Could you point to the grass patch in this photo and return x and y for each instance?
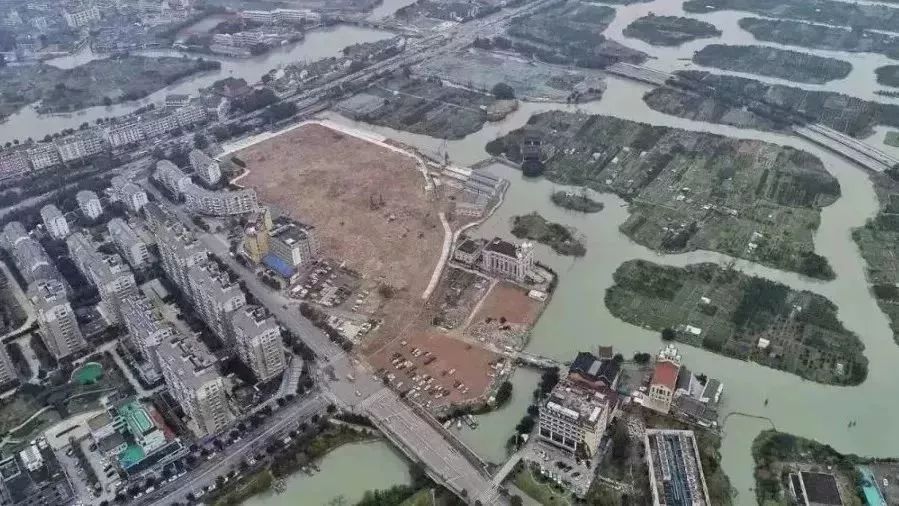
(540, 491)
(247, 487)
(892, 139)
(558, 237)
(421, 498)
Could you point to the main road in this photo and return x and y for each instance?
(282, 420)
(348, 383)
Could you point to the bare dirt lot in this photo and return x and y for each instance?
(462, 371)
(368, 205)
(505, 317)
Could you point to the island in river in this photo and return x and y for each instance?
(573, 201)
(740, 316)
(563, 240)
(690, 190)
(771, 61)
(670, 30)
(99, 82)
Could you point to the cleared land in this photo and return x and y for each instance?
(691, 190)
(425, 106)
(368, 205)
(561, 239)
(570, 33)
(830, 12)
(669, 30)
(462, 372)
(370, 209)
(774, 62)
(482, 69)
(832, 38)
(99, 82)
(877, 241)
(505, 317)
(888, 75)
(773, 103)
(739, 316)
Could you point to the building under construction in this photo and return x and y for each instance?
(675, 468)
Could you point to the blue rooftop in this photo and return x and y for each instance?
(278, 265)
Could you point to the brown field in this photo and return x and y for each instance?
(331, 180)
(471, 362)
(505, 317)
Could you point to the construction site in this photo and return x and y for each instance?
(386, 220)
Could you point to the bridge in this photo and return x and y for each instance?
(447, 460)
(640, 73)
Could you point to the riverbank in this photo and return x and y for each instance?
(97, 83)
(813, 36)
(739, 316)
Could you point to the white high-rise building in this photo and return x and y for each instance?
(126, 239)
(215, 297)
(56, 319)
(109, 273)
(173, 178)
(89, 203)
(54, 221)
(574, 417)
(206, 168)
(193, 381)
(258, 338)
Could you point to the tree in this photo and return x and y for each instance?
(668, 334)
(200, 141)
(641, 358)
(516, 500)
(620, 441)
(502, 91)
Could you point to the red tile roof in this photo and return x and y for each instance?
(665, 373)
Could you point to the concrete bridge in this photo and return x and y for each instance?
(447, 460)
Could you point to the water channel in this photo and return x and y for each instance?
(317, 44)
(345, 474)
(577, 318)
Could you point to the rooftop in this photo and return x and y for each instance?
(665, 373)
(821, 489)
(577, 403)
(502, 247)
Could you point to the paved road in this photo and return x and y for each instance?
(282, 420)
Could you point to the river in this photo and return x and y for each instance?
(346, 473)
(578, 320)
(317, 44)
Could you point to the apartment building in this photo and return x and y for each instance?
(109, 273)
(259, 345)
(504, 259)
(195, 383)
(215, 296)
(219, 203)
(56, 319)
(206, 168)
(133, 196)
(159, 123)
(8, 375)
(574, 417)
(30, 257)
(78, 146)
(54, 221)
(293, 242)
(173, 178)
(43, 155)
(123, 134)
(13, 164)
(89, 203)
(77, 15)
(146, 329)
(133, 248)
(179, 250)
(190, 114)
(295, 16)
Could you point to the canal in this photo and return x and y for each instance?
(344, 476)
(317, 44)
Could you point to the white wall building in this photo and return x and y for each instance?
(219, 203)
(43, 155)
(172, 177)
(501, 258)
(89, 203)
(122, 134)
(54, 221)
(258, 339)
(205, 167)
(78, 146)
(126, 239)
(574, 416)
(56, 319)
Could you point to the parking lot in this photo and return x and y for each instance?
(558, 466)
